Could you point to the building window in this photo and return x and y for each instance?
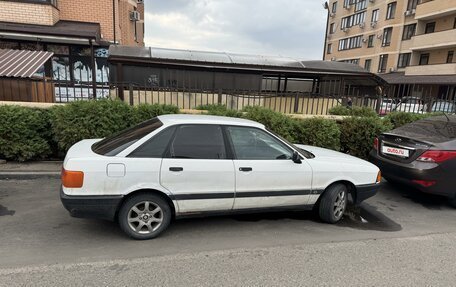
(360, 5)
(424, 59)
(375, 15)
(430, 28)
(353, 20)
(351, 61)
(387, 33)
(412, 4)
(454, 24)
(329, 49)
(409, 31)
(368, 64)
(332, 28)
(334, 7)
(391, 10)
(370, 41)
(404, 60)
(382, 64)
(350, 43)
(450, 57)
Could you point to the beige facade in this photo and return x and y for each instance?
(428, 48)
(48, 13)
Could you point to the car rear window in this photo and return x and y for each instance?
(436, 129)
(116, 143)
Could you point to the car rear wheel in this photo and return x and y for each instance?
(333, 203)
(144, 216)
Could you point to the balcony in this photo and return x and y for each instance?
(435, 9)
(436, 69)
(436, 40)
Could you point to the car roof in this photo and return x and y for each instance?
(206, 119)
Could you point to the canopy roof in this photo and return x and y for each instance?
(21, 63)
(228, 60)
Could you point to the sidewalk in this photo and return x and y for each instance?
(16, 170)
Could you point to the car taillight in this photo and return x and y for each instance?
(437, 156)
(425, 183)
(376, 143)
(72, 179)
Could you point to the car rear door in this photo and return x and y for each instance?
(196, 169)
(265, 174)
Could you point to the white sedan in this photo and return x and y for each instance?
(174, 166)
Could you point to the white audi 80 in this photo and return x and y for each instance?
(174, 166)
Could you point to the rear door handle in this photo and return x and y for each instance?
(245, 169)
(176, 169)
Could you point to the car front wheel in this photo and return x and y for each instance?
(333, 203)
(144, 216)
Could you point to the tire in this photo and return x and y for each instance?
(144, 216)
(333, 203)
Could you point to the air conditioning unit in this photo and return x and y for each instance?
(332, 15)
(364, 40)
(361, 25)
(345, 29)
(408, 13)
(413, 11)
(373, 24)
(379, 36)
(333, 58)
(347, 7)
(135, 16)
(393, 69)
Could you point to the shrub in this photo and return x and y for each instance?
(25, 133)
(220, 110)
(358, 133)
(275, 121)
(145, 111)
(317, 132)
(402, 118)
(354, 111)
(89, 119)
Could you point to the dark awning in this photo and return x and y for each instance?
(223, 60)
(65, 31)
(401, 78)
(21, 63)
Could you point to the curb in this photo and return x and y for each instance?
(28, 175)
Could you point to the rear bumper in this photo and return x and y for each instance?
(102, 207)
(363, 192)
(405, 174)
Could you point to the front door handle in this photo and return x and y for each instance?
(245, 169)
(176, 169)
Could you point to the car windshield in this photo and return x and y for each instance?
(116, 143)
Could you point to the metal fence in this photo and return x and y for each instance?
(317, 100)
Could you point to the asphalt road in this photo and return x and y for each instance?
(398, 238)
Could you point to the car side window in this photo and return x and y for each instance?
(256, 144)
(198, 142)
(155, 147)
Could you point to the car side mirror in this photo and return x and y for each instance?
(296, 158)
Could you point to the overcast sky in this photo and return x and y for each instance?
(293, 28)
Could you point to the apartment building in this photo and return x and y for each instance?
(78, 33)
(406, 42)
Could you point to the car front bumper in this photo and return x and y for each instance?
(102, 207)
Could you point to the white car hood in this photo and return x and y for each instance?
(320, 152)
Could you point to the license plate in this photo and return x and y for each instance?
(395, 151)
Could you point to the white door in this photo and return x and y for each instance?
(265, 174)
(196, 170)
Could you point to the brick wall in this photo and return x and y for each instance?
(27, 13)
(99, 11)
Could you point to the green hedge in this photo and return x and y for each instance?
(398, 119)
(25, 133)
(354, 111)
(358, 133)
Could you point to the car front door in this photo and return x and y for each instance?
(196, 169)
(265, 174)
